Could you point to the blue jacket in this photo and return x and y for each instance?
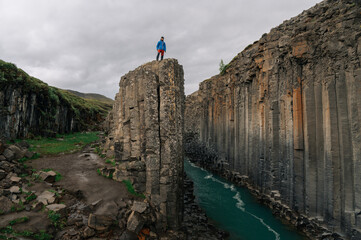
(161, 45)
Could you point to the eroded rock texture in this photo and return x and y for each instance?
(147, 134)
(287, 113)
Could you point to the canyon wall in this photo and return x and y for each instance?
(287, 114)
(29, 107)
(146, 135)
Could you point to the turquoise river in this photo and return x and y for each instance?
(235, 210)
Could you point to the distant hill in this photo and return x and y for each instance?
(93, 96)
(30, 107)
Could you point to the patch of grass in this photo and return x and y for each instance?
(62, 144)
(113, 163)
(35, 176)
(7, 229)
(30, 197)
(18, 220)
(99, 151)
(131, 189)
(42, 235)
(110, 176)
(24, 159)
(55, 219)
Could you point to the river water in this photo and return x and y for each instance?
(235, 210)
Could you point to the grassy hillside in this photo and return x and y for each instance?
(9, 73)
(92, 96)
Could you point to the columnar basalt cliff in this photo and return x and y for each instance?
(30, 107)
(287, 114)
(146, 134)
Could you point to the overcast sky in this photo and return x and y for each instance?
(87, 45)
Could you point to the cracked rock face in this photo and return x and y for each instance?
(287, 114)
(146, 134)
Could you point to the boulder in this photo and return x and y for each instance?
(127, 235)
(23, 144)
(28, 154)
(56, 207)
(88, 232)
(2, 174)
(15, 179)
(139, 207)
(19, 153)
(47, 176)
(5, 204)
(135, 222)
(2, 147)
(8, 154)
(46, 197)
(15, 189)
(99, 222)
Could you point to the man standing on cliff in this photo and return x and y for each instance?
(161, 48)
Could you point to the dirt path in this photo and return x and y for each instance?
(79, 175)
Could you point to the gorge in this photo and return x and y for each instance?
(282, 119)
(286, 113)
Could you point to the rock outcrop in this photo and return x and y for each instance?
(29, 107)
(146, 135)
(287, 114)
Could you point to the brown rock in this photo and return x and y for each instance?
(88, 232)
(135, 222)
(8, 154)
(15, 189)
(139, 207)
(2, 174)
(2, 147)
(99, 222)
(18, 152)
(46, 197)
(5, 204)
(48, 176)
(15, 179)
(56, 207)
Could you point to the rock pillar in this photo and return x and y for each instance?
(147, 132)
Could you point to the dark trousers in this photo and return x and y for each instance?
(162, 54)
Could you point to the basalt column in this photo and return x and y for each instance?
(147, 132)
(286, 114)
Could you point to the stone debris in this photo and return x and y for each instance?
(5, 204)
(46, 197)
(135, 222)
(47, 176)
(15, 179)
(15, 189)
(55, 207)
(99, 222)
(139, 207)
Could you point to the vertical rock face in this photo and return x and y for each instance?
(287, 113)
(30, 107)
(147, 133)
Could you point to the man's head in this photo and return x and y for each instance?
(162, 38)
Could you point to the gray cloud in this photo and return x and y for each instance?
(87, 45)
